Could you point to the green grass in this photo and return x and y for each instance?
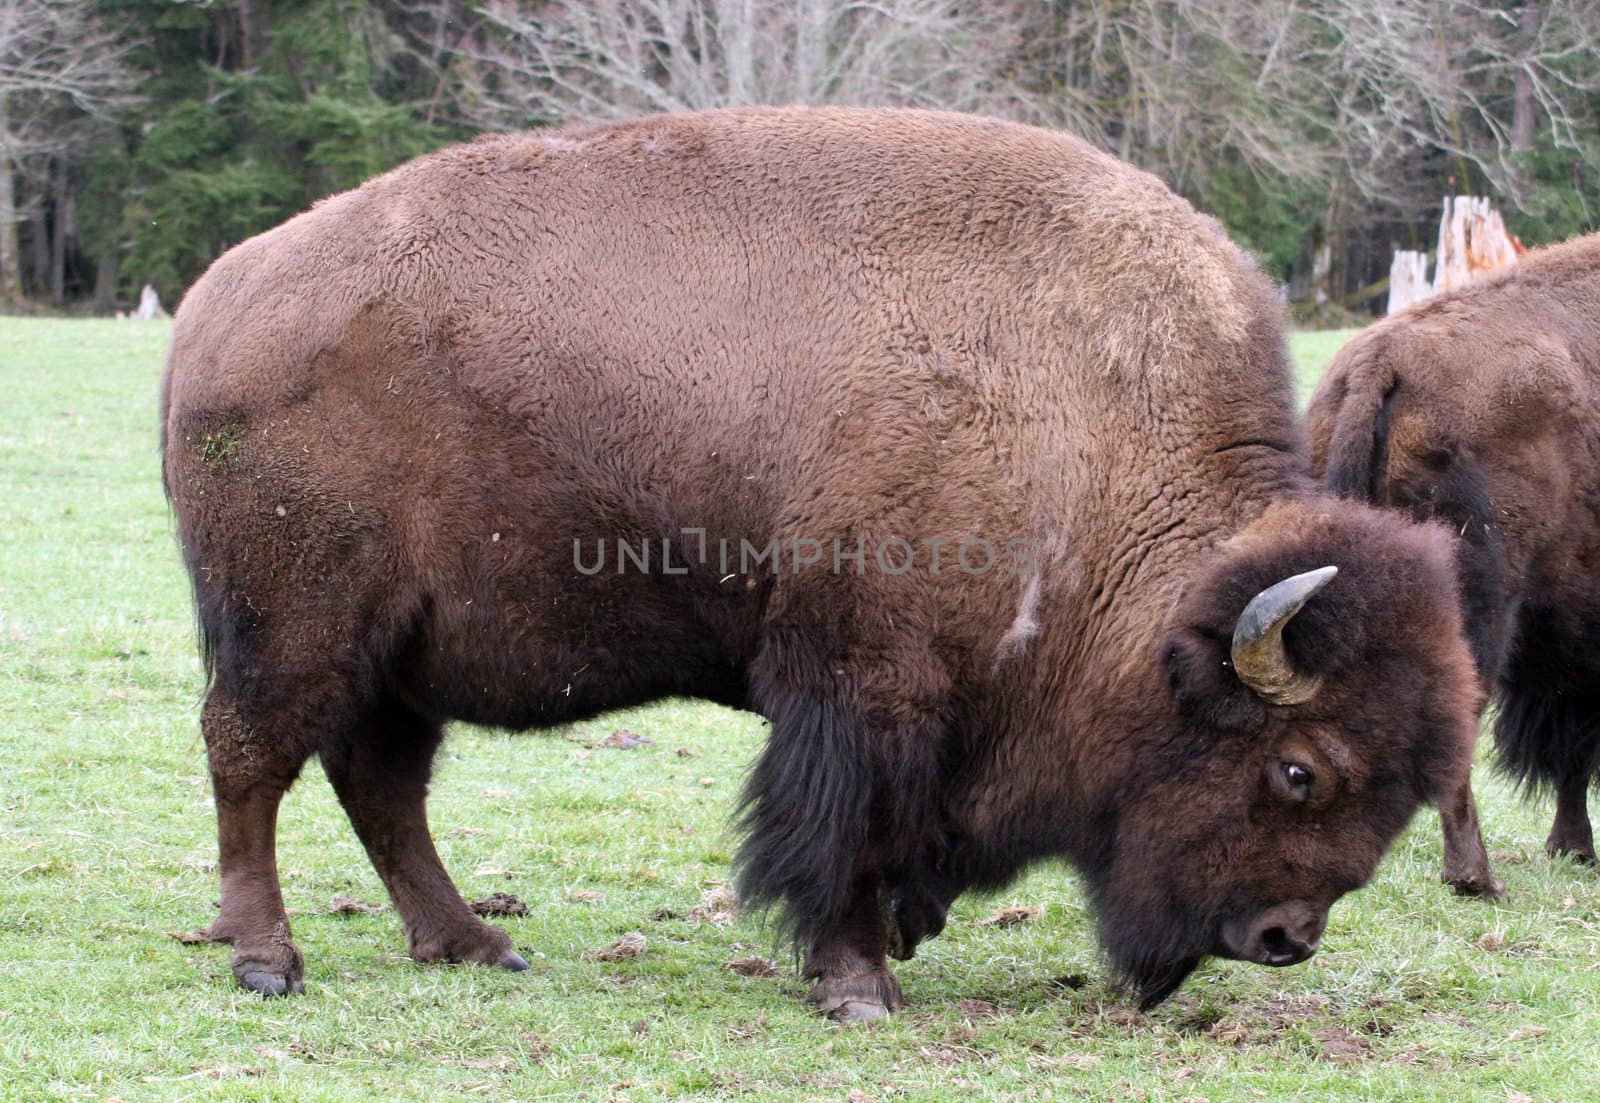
(106, 844)
(1310, 351)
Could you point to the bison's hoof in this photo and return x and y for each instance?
(264, 983)
(1581, 852)
(479, 944)
(862, 998)
(266, 979)
(1484, 885)
(858, 1011)
(270, 966)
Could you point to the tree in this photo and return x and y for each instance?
(265, 107)
(569, 58)
(58, 65)
(1310, 127)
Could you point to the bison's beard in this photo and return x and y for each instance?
(1153, 951)
(1155, 981)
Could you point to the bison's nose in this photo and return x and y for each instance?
(1283, 935)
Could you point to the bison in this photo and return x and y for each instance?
(1481, 408)
(960, 451)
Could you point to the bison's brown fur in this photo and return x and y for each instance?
(1481, 407)
(387, 421)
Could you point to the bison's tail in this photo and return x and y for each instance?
(1362, 397)
(1544, 740)
(217, 633)
(804, 813)
(207, 609)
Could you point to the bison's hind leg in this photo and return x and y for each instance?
(1570, 834)
(379, 769)
(254, 759)
(1552, 741)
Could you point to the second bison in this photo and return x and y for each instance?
(1481, 408)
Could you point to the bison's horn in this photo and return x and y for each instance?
(1258, 654)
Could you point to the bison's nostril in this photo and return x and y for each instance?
(1280, 948)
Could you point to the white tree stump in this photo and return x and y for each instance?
(1408, 279)
(1472, 239)
(149, 305)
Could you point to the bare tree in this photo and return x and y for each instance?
(541, 63)
(1465, 77)
(54, 58)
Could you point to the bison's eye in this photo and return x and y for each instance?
(1301, 780)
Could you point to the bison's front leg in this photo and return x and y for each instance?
(1466, 862)
(848, 961)
(843, 795)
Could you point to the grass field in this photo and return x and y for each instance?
(107, 844)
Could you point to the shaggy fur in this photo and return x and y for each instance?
(1481, 408)
(388, 421)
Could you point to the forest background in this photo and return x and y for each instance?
(139, 139)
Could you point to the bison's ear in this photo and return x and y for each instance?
(1204, 685)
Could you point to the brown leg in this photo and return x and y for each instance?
(250, 772)
(381, 776)
(1466, 862)
(853, 979)
(1571, 834)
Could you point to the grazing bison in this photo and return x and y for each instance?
(960, 451)
(1481, 407)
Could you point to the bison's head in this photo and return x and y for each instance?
(1309, 712)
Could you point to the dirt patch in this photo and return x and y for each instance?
(1228, 1032)
(189, 938)
(585, 896)
(499, 904)
(1496, 942)
(945, 1055)
(626, 948)
(1261, 1023)
(977, 1010)
(751, 967)
(1009, 917)
(625, 741)
(744, 1032)
(349, 905)
(718, 906)
(1341, 1046)
(536, 1047)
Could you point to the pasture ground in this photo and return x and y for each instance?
(107, 844)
